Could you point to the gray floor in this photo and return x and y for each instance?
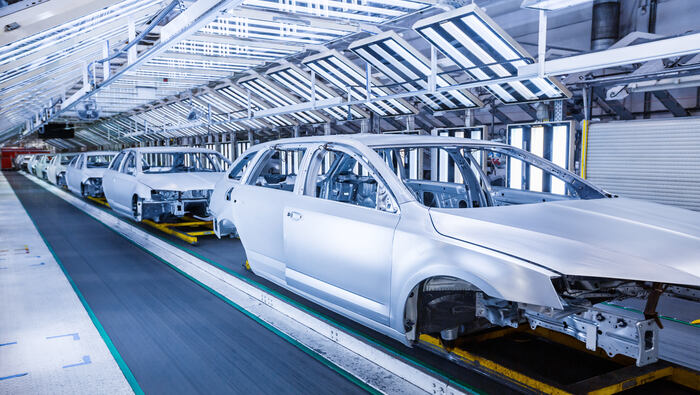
(175, 336)
(48, 343)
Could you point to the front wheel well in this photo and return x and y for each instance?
(443, 306)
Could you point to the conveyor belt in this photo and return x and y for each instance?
(174, 335)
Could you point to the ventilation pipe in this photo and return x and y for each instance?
(606, 23)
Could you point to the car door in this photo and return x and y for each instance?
(220, 204)
(109, 175)
(124, 184)
(258, 206)
(73, 174)
(339, 231)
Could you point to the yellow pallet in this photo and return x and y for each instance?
(191, 237)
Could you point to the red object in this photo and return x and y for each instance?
(8, 154)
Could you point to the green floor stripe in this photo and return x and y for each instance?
(105, 337)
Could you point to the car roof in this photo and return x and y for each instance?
(90, 153)
(380, 140)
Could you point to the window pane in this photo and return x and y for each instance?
(98, 161)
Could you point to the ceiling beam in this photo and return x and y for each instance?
(529, 110)
(671, 104)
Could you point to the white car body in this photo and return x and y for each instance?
(376, 246)
(56, 170)
(161, 191)
(33, 162)
(83, 179)
(41, 166)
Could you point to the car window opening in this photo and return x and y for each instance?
(472, 177)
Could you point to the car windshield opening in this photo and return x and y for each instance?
(180, 162)
(98, 161)
(481, 176)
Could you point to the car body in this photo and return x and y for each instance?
(84, 172)
(21, 161)
(158, 183)
(56, 170)
(33, 161)
(408, 236)
(41, 165)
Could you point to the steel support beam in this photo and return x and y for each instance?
(640, 53)
(184, 25)
(671, 104)
(529, 110)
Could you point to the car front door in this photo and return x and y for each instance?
(123, 185)
(258, 206)
(73, 174)
(339, 231)
(220, 204)
(110, 174)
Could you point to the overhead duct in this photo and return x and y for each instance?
(606, 24)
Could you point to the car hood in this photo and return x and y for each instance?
(613, 238)
(180, 181)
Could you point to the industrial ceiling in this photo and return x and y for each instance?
(138, 71)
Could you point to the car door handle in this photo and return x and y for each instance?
(228, 193)
(295, 216)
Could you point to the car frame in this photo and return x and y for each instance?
(56, 171)
(41, 165)
(84, 180)
(403, 268)
(31, 165)
(158, 197)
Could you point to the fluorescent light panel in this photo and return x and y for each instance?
(241, 98)
(274, 95)
(477, 44)
(341, 72)
(299, 82)
(401, 62)
(371, 11)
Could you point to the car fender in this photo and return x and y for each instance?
(142, 190)
(417, 258)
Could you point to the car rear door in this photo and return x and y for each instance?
(338, 234)
(258, 208)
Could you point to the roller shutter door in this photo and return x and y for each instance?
(657, 160)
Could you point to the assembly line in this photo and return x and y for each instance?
(374, 186)
(437, 197)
